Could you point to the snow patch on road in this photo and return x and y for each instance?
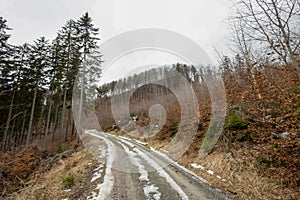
(137, 162)
(151, 189)
(125, 141)
(140, 142)
(178, 165)
(163, 174)
(125, 138)
(102, 150)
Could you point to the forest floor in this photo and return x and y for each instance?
(34, 174)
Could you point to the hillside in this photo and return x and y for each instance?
(257, 154)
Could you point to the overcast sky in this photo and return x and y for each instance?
(200, 20)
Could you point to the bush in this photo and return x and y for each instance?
(69, 181)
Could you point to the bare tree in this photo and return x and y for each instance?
(243, 45)
(272, 25)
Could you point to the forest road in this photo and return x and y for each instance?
(134, 171)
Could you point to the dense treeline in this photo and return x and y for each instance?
(161, 85)
(36, 83)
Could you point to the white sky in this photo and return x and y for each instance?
(200, 20)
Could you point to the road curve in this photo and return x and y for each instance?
(134, 171)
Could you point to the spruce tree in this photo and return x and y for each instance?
(39, 68)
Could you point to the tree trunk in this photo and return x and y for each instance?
(21, 141)
(5, 137)
(295, 63)
(63, 113)
(55, 123)
(13, 136)
(68, 123)
(73, 128)
(29, 134)
(48, 123)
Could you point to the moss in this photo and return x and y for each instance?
(295, 90)
(263, 160)
(234, 122)
(241, 135)
(59, 149)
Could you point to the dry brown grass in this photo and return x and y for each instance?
(49, 185)
(238, 177)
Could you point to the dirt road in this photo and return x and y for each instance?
(134, 171)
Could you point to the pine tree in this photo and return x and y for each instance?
(70, 57)
(89, 71)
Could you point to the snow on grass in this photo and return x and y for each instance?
(163, 174)
(197, 166)
(151, 189)
(210, 172)
(107, 185)
(98, 171)
(96, 175)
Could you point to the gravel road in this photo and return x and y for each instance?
(134, 171)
